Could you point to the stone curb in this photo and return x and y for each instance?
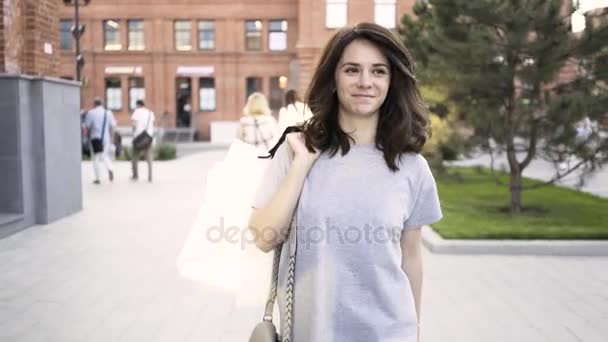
(438, 245)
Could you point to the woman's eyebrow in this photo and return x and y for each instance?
(358, 65)
(380, 65)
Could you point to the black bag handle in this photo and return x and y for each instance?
(273, 150)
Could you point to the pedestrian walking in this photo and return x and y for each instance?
(358, 191)
(143, 133)
(257, 126)
(100, 124)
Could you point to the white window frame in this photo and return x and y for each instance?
(336, 13)
(114, 29)
(277, 40)
(207, 97)
(114, 96)
(134, 35)
(385, 13)
(207, 28)
(177, 31)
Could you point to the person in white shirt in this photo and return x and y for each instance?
(143, 120)
(295, 111)
(584, 129)
(101, 123)
(257, 126)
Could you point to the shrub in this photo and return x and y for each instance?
(161, 151)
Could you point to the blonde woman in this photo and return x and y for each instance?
(257, 127)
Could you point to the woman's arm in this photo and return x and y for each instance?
(411, 263)
(271, 223)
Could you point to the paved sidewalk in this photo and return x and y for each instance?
(108, 274)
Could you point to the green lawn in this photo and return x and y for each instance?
(474, 208)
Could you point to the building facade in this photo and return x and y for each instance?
(196, 61)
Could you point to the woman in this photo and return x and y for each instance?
(257, 126)
(294, 113)
(360, 192)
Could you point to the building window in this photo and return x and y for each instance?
(277, 35)
(253, 84)
(111, 35)
(183, 35)
(206, 35)
(136, 35)
(336, 13)
(65, 34)
(253, 35)
(113, 94)
(276, 94)
(137, 91)
(206, 94)
(385, 13)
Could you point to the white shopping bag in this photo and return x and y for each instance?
(219, 250)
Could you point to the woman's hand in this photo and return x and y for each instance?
(301, 153)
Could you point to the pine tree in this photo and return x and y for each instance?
(521, 77)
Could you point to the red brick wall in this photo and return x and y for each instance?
(27, 26)
(2, 36)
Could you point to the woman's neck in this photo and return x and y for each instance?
(362, 129)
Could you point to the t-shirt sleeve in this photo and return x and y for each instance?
(272, 177)
(135, 115)
(426, 209)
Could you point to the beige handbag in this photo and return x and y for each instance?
(266, 331)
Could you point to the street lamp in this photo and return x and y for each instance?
(77, 32)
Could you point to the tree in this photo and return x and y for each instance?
(521, 77)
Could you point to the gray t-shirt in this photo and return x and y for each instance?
(349, 284)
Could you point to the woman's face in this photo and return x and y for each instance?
(362, 79)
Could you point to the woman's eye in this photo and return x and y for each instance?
(380, 72)
(351, 70)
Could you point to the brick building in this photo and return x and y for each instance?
(26, 44)
(196, 61)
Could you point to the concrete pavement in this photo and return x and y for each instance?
(108, 274)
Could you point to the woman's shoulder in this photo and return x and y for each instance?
(414, 162)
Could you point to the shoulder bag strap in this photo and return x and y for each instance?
(148, 122)
(103, 126)
(291, 272)
(273, 150)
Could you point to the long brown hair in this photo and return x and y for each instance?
(403, 118)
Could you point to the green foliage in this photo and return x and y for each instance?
(516, 73)
(445, 143)
(161, 151)
(165, 152)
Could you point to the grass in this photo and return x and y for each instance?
(475, 207)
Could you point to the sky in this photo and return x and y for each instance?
(578, 20)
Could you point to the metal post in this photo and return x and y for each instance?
(77, 37)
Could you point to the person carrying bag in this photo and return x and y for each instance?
(142, 142)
